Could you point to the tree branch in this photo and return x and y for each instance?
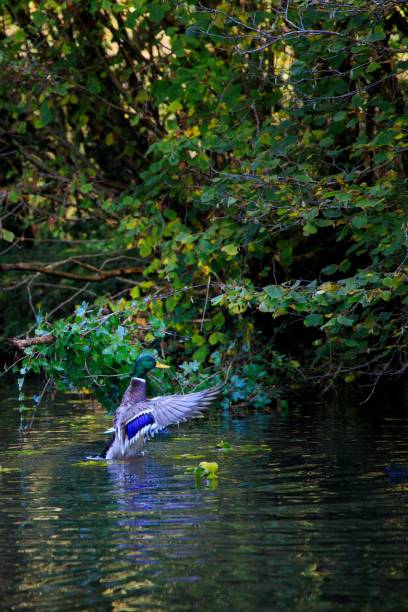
(26, 342)
(88, 278)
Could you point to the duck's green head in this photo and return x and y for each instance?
(144, 364)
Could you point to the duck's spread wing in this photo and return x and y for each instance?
(173, 409)
(159, 412)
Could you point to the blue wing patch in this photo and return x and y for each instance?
(138, 423)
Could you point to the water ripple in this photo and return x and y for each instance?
(303, 517)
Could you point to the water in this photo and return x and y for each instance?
(303, 517)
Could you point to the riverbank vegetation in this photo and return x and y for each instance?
(224, 183)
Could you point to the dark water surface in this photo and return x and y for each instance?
(303, 517)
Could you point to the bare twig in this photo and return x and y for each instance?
(205, 303)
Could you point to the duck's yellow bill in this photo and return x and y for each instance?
(162, 366)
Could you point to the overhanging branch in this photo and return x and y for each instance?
(26, 342)
(101, 275)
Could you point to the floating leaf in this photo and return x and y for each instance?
(187, 456)
(206, 469)
(7, 470)
(223, 445)
(253, 448)
(90, 463)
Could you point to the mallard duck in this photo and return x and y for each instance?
(137, 419)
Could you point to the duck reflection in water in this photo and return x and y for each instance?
(158, 514)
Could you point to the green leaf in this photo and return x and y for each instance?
(175, 106)
(346, 321)
(340, 116)
(376, 35)
(373, 66)
(359, 221)
(7, 235)
(157, 11)
(86, 187)
(218, 320)
(274, 292)
(313, 320)
(331, 269)
(326, 142)
(216, 337)
(345, 265)
(198, 340)
(230, 249)
(309, 229)
(46, 115)
(200, 354)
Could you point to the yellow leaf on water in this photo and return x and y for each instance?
(210, 466)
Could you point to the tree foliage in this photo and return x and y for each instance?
(238, 168)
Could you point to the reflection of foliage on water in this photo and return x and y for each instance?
(304, 524)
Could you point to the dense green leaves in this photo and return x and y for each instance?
(256, 181)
